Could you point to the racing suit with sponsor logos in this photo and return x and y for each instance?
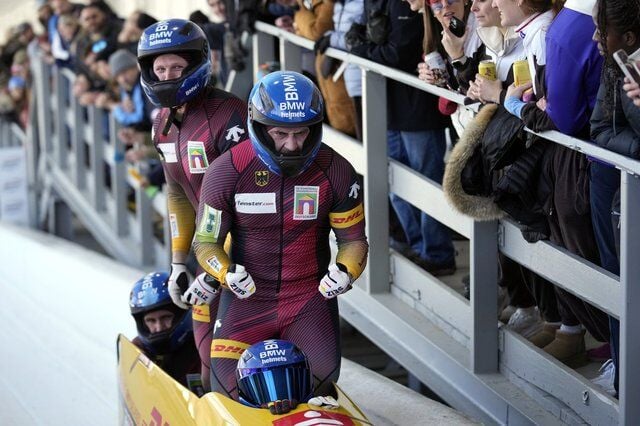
(280, 233)
(210, 125)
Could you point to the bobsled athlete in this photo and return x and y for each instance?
(164, 330)
(279, 195)
(197, 123)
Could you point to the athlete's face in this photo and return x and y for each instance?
(158, 321)
(288, 140)
(169, 66)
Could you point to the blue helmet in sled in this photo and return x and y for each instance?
(285, 99)
(179, 37)
(273, 370)
(151, 293)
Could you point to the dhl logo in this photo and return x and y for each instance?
(200, 313)
(348, 218)
(222, 348)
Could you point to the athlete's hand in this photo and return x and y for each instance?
(337, 281)
(240, 281)
(178, 283)
(202, 290)
(281, 406)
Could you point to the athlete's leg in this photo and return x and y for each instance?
(240, 323)
(315, 329)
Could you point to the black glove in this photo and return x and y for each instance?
(356, 36)
(322, 44)
(281, 406)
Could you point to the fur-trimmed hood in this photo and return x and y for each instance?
(478, 207)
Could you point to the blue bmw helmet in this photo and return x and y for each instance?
(183, 38)
(285, 99)
(273, 370)
(151, 293)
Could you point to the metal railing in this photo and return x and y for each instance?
(453, 345)
(83, 172)
(489, 372)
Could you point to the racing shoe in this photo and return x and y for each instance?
(525, 321)
(606, 378)
(568, 348)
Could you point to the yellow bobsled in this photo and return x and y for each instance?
(150, 397)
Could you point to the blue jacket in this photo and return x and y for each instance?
(573, 70)
(344, 14)
(140, 116)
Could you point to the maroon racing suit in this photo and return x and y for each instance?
(280, 233)
(210, 125)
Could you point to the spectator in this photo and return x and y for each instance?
(416, 132)
(341, 110)
(615, 125)
(19, 95)
(566, 171)
(60, 7)
(132, 29)
(133, 109)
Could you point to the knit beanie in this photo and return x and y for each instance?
(122, 60)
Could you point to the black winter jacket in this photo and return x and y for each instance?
(408, 108)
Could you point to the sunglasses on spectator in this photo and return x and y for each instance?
(436, 5)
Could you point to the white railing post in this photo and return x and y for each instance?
(376, 180)
(484, 297)
(630, 316)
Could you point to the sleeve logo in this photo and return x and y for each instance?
(209, 227)
(348, 218)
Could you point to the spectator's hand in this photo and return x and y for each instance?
(633, 91)
(335, 282)
(356, 36)
(542, 104)
(486, 90)
(239, 281)
(322, 44)
(202, 290)
(452, 44)
(428, 75)
(178, 283)
(103, 100)
(80, 85)
(134, 155)
(519, 90)
(130, 136)
(87, 98)
(285, 22)
(127, 105)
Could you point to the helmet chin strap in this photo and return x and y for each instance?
(167, 125)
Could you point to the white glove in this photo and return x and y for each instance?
(240, 281)
(334, 283)
(178, 283)
(202, 290)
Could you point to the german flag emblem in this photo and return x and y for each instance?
(262, 177)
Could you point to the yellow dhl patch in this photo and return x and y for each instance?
(348, 218)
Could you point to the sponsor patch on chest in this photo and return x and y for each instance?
(168, 152)
(305, 202)
(198, 161)
(256, 203)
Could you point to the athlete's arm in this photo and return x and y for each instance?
(348, 224)
(214, 220)
(181, 220)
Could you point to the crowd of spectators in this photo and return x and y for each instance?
(550, 67)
